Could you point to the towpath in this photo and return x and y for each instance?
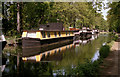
(111, 64)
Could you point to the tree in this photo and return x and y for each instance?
(31, 14)
(114, 17)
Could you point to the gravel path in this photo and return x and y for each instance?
(111, 64)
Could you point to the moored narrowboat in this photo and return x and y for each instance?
(95, 31)
(40, 37)
(85, 31)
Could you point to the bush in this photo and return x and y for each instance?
(88, 69)
(115, 38)
(104, 51)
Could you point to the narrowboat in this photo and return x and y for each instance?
(95, 31)
(35, 38)
(2, 39)
(85, 31)
(74, 29)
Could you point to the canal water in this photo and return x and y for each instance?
(20, 63)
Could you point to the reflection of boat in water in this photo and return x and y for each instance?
(2, 39)
(45, 54)
(84, 40)
(30, 51)
(77, 42)
(94, 37)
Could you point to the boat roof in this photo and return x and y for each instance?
(48, 30)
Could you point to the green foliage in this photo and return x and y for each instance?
(34, 13)
(114, 17)
(104, 51)
(112, 36)
(88, 69)
(115, 37)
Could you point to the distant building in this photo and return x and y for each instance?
(51, 27)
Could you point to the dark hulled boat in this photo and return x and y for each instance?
(37, 38)
(46, 34)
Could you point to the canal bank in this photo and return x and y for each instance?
(110, 64)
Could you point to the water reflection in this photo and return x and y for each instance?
(84, 41)
(48, 54)
(31, 51)
(54, 61)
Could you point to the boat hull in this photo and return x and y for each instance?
(28, 42)
(3, 43)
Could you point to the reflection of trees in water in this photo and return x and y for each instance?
(56, 57)
(12, 54)
(82, 52)
(10, 69)
(36, 69)
(29, 69)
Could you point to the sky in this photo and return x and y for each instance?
(104, 11)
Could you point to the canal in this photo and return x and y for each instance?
(21, 62)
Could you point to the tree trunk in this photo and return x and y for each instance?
(21, 17)
(74, 24)
(3, 8)
(18, 17)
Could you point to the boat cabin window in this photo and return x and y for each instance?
(48, 25)
(48, 34)
(55, 34)
(59, 33)
(31, 34)
(66, 33)
(43, 34)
